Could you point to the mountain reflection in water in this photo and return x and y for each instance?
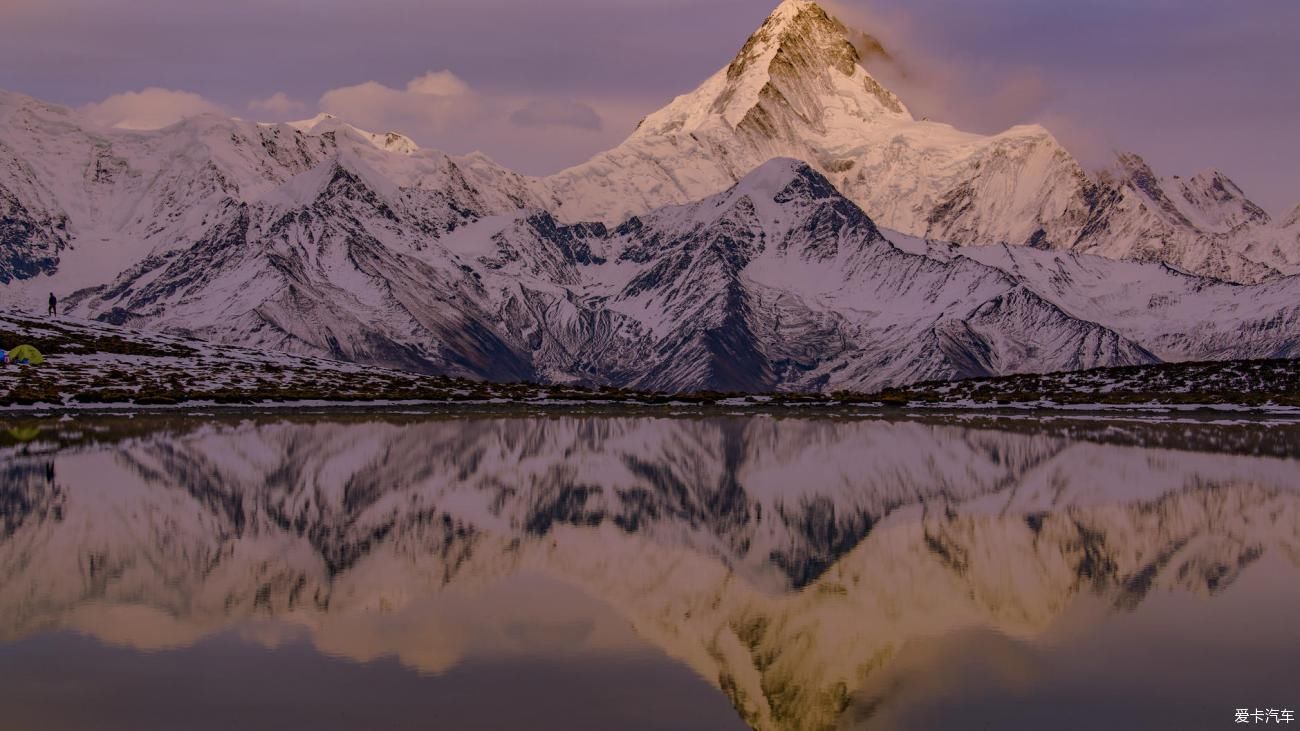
(645, 571)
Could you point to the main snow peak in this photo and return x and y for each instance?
(799, 50)
(796, 89)
(781, 79)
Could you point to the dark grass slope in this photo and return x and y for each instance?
(1253, 383)
(94, 363)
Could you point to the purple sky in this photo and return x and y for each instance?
(539, 84)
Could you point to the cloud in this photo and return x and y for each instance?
(1093, 146)
(278, 105)
(977, 97)
(534, 134)
(557, 113)
(438, 83)
(151, 108)
(430, 104)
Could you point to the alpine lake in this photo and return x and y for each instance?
(657, 568)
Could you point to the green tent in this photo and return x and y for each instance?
(26, 353)
(24, 433)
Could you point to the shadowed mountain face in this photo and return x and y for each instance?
(787, 561)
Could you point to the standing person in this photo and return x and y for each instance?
(54, 305)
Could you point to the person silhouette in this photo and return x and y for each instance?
(54, 305)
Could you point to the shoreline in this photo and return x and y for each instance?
(729, 406)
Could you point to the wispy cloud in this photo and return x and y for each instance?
(1189, 85)
(557, 113)
(440, 109)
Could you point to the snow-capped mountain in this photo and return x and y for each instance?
(777, 284)
(798, 89)
(740, 270)
(779, 558)
(86, 203)
(780, 283)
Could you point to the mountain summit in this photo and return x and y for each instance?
(778, 84)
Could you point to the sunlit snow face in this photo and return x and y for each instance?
(620, 60)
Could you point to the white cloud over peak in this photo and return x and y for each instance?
(278, 105)
(438, 83)
(152, 108)
(430, 104)
(440, 110)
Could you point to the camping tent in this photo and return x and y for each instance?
(24, 433)
(26, 353)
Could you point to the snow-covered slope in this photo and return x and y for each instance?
(1177, 316)
(80, 203)
(798, 89)
(391, 141)
(1289, 245)
(1203, 225)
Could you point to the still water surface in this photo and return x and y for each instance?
(634, 571)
